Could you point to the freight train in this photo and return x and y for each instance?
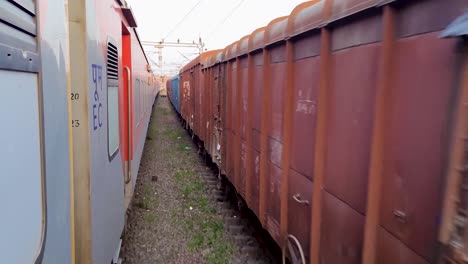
(343, 126)
(77, 94)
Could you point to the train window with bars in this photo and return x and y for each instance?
(137, 101)
(112, 99)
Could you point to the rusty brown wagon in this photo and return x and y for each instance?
(343, 127)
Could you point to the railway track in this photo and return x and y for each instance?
(254, 243)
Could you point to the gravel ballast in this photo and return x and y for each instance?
(171, 220)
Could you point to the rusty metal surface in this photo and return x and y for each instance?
(342, 232)
(242, 117)
(306, 16)
(257, 39)
(307, 46)
(265, 124)
(351, 111)
(390, 250)
(278, 79)
(233, 120)
(257, 103)
(221, 147)
(452, 233)
(255, 113)
(273, 195)
(342, 8)
(237, 117)
(299, 218)
(229, 147)
(255, 182)
(305, 117)
(320, 148)
(415, 157)
(382, 104)
(417, 17)
(365, 30)
(243, 48)
(206, 83)
(296, 108)
(277, 30)
(243, 82)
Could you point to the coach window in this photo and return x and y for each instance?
(112, 99)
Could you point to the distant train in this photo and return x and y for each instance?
(344, 128)
(77, 94)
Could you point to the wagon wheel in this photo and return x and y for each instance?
(293, 251)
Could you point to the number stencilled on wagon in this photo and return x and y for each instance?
(306, 106)
(97, 96)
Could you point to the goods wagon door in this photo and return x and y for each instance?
(21, 159)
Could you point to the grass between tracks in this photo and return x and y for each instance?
(201, 221)
(203, 226)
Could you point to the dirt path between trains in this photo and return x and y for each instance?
(172, 220)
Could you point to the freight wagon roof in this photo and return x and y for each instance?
(277, 30)
(257, 39)
(314, 14)
(190, 64)
(207, 55)
(305, 17)
(201, 59)
(214, 59)
(231, 51)
(243, 47)
(344, 8)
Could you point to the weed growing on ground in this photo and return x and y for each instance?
(205, 227)
(147, 199)
(150, 217)
(163, 111)
(174, 134)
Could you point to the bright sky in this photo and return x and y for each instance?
(217, 22)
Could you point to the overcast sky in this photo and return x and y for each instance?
(217, 22)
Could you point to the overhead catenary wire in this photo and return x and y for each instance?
(225, 18)
(183, 18)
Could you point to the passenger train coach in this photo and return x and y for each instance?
(343, 127)
(77, 94)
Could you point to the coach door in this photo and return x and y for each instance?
(21, 152)
(127, 116)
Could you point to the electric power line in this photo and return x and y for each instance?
(182, 20)
(226, 18)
